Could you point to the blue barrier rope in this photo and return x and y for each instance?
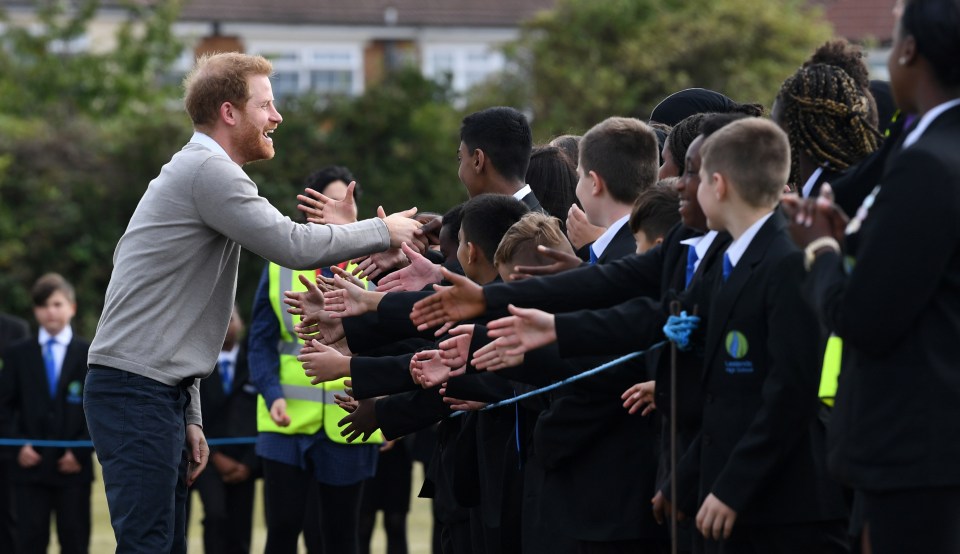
(567, 381)
(89, 444)
(251, 440)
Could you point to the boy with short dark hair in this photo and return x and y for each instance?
(654, 213)
(41, 397)
(763, 484)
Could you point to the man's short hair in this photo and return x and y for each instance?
(535, 229)
(486, 219)
(504, 136)
(656, 210)
(625, 153)
(219, 78)
(754, 155)
(48, 284)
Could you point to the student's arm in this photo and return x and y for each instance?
(401, 414)
(380, 376)
(789, 392)
(908, 242)
(585, 287)
(627, 327)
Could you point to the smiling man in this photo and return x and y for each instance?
(172, 291)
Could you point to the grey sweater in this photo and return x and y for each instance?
(175, 268)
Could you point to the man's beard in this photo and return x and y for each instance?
(252, 144)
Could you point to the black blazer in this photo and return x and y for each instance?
(27, 411)
(231, 415)
(623, 244)
(761, 446)
(898, 312)
(12, 329)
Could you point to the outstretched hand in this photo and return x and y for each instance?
(420, 273)
(307, 304)
(525, 330)
(428, 369)
(362, 422)
(496, 355)
(450, 304)
(323, 363)
(563, 261)
(401, 227)
(454, 351)
(349, 300)
(322, 209)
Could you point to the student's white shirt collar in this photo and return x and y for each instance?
(63, 338)
(606, 238)
(522, 192)
(207, 142)
(808, 186)
(738, 247)
(700, 245)
(229, 355)
(59, 348)
(926, 120)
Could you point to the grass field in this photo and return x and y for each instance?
(102, 541)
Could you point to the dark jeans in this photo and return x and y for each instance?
(138, 430)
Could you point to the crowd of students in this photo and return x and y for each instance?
(790, 284)
(805, 400)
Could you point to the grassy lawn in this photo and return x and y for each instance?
(102, 541)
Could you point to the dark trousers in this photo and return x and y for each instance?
(8, 516)
(71, 504)
(914, 520)
(285, 490)
(827, 537)
(227, 513)
(622, 547)
(138, 430)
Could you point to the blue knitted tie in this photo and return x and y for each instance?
(727, 267)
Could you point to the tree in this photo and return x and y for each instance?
(47, 70)
(587, 60)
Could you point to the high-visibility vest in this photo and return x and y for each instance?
(310, 407)
(830, 371)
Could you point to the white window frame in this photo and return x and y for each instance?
(303, 60)
(462, 63)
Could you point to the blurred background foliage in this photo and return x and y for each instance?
(83, 133)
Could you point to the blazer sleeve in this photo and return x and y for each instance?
(899, 253)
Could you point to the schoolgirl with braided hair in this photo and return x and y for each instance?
(826, 116)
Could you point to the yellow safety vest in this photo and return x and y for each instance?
(830, 372)
(310, 407)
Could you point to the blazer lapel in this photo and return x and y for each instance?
(726, 295)
(71, 361)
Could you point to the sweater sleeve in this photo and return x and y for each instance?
(228, 202)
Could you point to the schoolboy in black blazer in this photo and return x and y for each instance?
(760, 451)
(41, 397)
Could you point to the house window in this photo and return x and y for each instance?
(300, 69)
(464, 64)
